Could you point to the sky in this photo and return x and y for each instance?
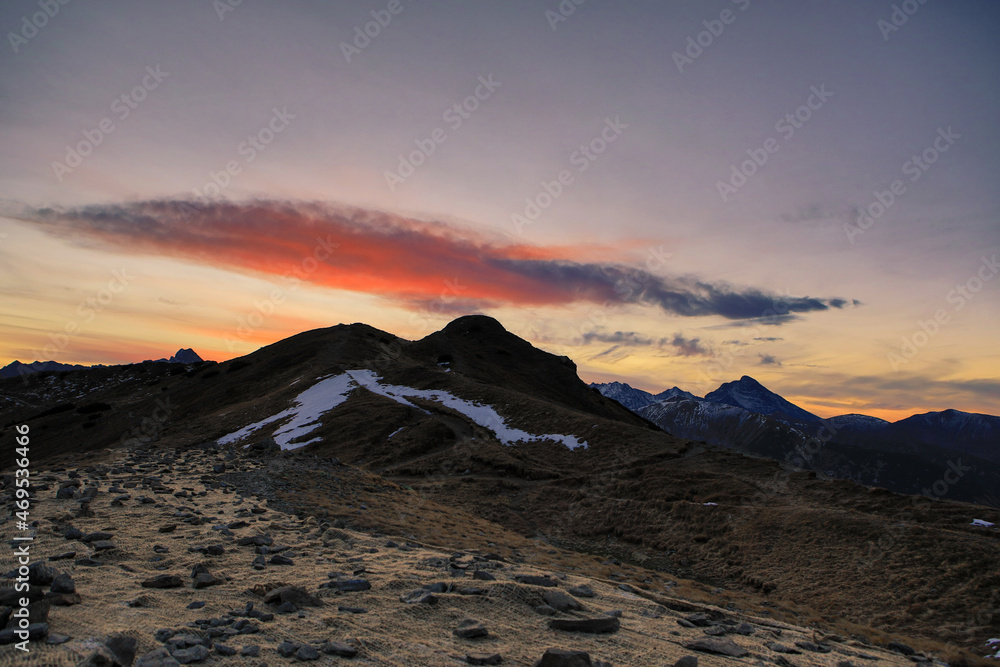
(669, 193)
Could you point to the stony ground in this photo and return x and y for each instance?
(154, 555)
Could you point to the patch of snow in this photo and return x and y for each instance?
(710, 504)
(983, 524)
(330, 392)
(310, 405)
(991, 642)
(396, 431)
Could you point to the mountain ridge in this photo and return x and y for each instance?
(636, 496)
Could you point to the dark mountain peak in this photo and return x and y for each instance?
(185, 355)
(751, 395)
(479, 325)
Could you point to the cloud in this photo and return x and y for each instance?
(686, 347)
(412, 261)
(629, 338)
(768, 360)
(768, 339)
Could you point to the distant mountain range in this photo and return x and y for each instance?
(908, 456)
(17, 369)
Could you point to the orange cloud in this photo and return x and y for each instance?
(412, 261)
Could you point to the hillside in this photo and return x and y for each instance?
(475, 419)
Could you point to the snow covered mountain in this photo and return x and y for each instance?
(751, 395)
(632, 398)
(967, 432)
(675, 392)
(724, 425)
(857, 423)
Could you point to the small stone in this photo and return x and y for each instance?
(582, 591)
(63, 584)
(484, 659)
(123, 647)
(306, 652)
(350, 585)
(419, 596)
(352, 610)
(470, 629)
(781, 648)
(557, 657)
(339, 648)
(163, 581)
(561, 601)
(250, 651)
(717, 646)
(222, 649)
(189, 655)
(687, 661)
(590, 625)
(157, 658)
(96, 537)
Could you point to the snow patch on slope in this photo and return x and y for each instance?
(310, 405)
(330, 392)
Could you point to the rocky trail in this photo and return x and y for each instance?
(163, 557)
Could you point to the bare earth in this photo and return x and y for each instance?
(390, 631)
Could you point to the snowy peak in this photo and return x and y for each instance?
(857, 422)
(632, 398)
(675, 392)
(751, 395)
